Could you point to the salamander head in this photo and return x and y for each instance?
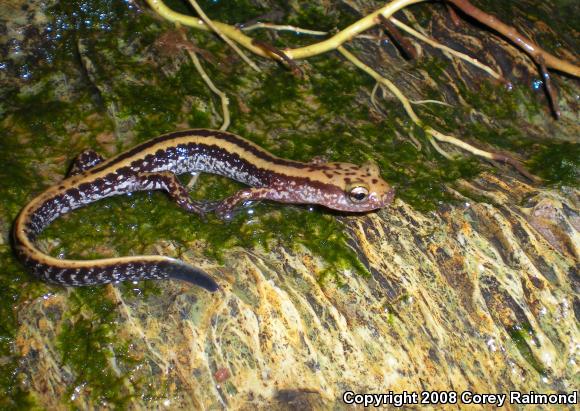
(355, 188)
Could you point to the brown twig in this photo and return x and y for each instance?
(277, 52)
(453, 15)
(550, 90)
(403, 44)
(504, 158)
(541, 57)
(517, 38)
(172, 42)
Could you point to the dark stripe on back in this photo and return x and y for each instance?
(228, 137)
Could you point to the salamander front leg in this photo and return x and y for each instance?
(85, 161)
(225, 208)
(167, 181)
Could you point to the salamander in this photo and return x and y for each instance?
(154, 165)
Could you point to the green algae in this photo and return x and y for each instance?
(320, 17)
(558, 164)
(337, 86)
(522, 335)
(231, 11)
(13, 289)
(88, 343)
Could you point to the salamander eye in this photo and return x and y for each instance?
(358, 194)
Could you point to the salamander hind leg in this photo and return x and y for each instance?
(85, 161)
(225, 209)
(168, 182)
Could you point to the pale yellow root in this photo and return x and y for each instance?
(225, 38)
(284, 27)
(350, 32)
(224, 99)
(197, 23)
(298, 53)
(437, 45)
(411, 113)
(360, 26)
